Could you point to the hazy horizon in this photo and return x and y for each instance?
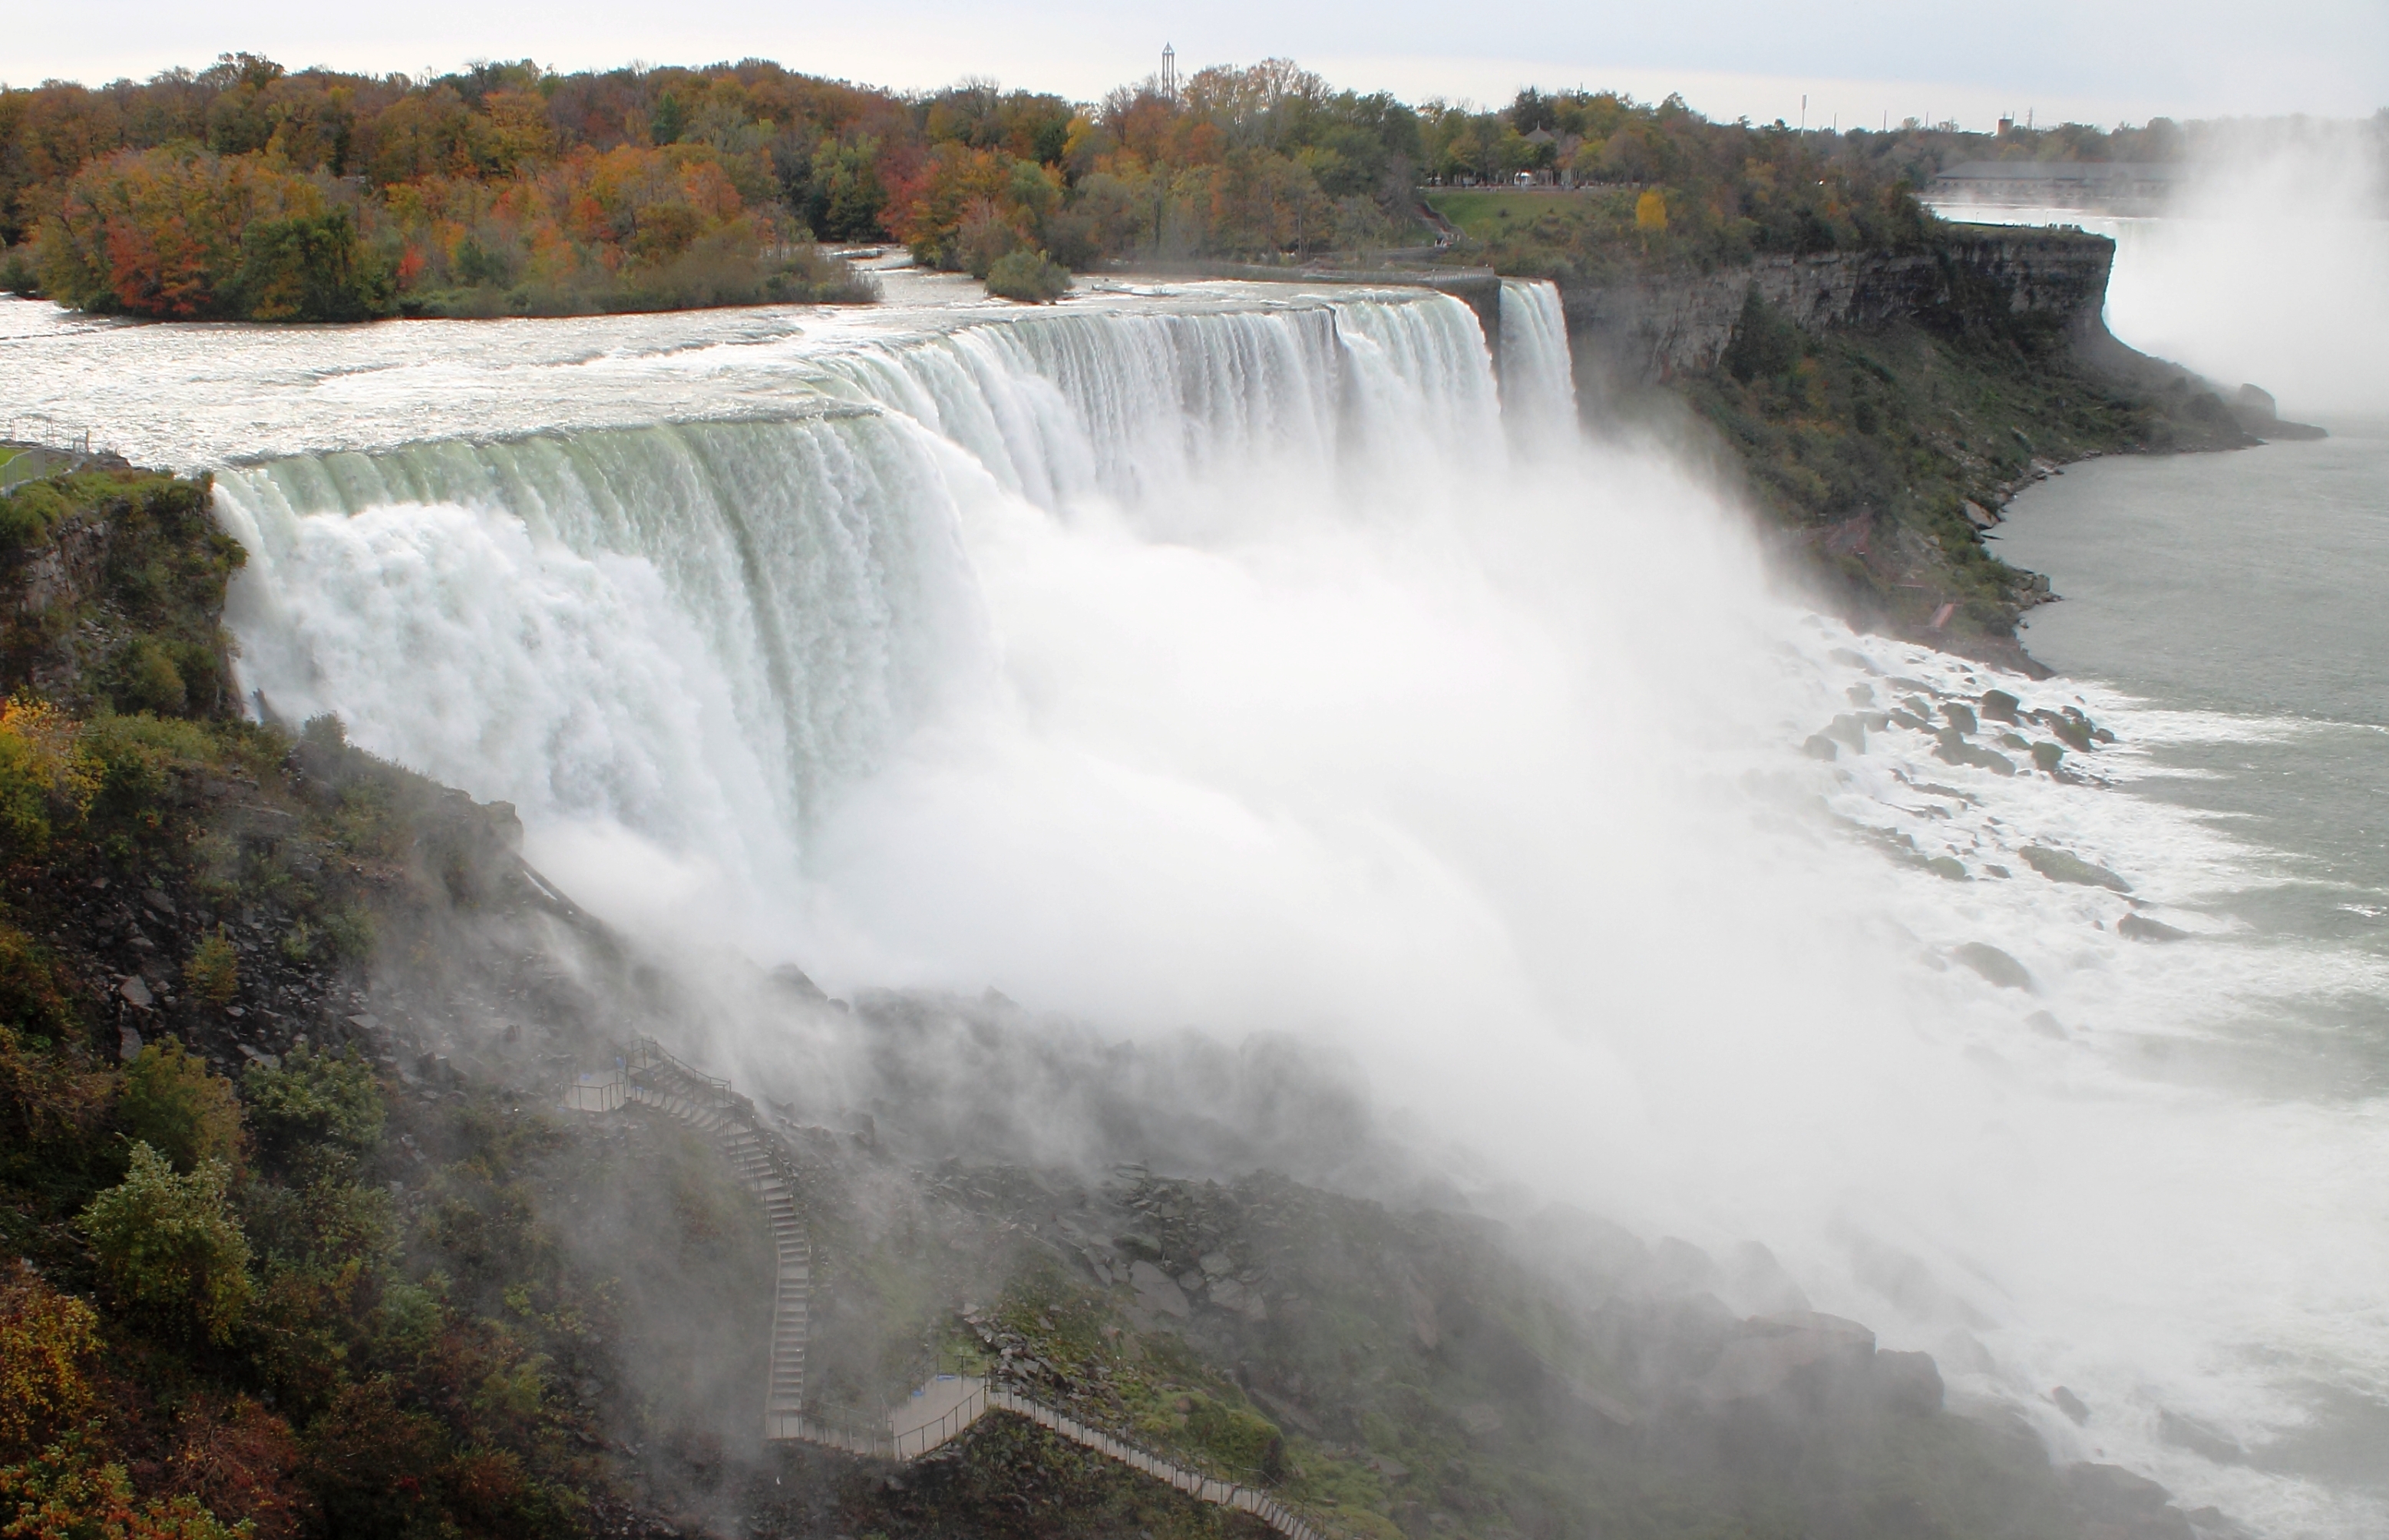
(1861, 67)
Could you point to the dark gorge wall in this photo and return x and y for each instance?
(1875, 410)
(1649, 329)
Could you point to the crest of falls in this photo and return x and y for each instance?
(1263, 664)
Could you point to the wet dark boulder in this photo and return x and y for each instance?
(2141, 928)
(2060, 865)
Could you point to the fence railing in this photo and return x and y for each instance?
(648, 1057)
(25, 460)
(603, 1091)
(1282, 1514)
(1272, 1510)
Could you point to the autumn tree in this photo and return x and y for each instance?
(46, 1336)
(172, 1103)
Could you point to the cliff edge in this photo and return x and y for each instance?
(1879, 409)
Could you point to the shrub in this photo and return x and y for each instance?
(149, 681)
(32, 997)
(315, 1098)
(241, 1460)
(169, 1247)
(172, 1103)
(1235, 1436)
(29, 514)
(16, 274)
(1031, 277)
(53, 1108)
(348, 934)
(45, 1337)
(45, 776)
(212, 971)
(812, 276)
(326, 733)
(64, 1494)
(366, 1460)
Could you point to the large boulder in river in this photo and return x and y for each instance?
(2060, 865)
(1953, 749)
(1994, 965)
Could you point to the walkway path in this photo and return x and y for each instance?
(940, 1411)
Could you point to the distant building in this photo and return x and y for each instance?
(2088, 187)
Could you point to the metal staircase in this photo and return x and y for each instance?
(765, 1167)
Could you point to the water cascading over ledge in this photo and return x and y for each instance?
(700, 631)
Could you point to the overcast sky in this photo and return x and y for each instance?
(1857, 60)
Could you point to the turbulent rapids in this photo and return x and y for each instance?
(1269, 661)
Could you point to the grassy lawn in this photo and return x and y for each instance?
(1487, 211)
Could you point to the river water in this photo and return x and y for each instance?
(1251, 659)
(2247, 586)
(2234, 599)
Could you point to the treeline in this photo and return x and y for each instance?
(246, 191)
(252, 191)
(2351, 155)
(1657, 184)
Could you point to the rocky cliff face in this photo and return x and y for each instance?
(1648, 329)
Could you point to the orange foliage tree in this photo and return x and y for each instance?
(45, 1338)
(188, 234)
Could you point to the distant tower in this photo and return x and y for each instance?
(1170, 72)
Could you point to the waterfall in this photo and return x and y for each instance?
(1537, 376)
(701, 631)
(694, 630)
(1057, 407)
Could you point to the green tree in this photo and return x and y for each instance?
(212, 971)
(169, 1247)
(315, 1098)
(311, 267)
(669, 120)
(1031, 277)
(171, 1103)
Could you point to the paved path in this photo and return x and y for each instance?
(938, 1412)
